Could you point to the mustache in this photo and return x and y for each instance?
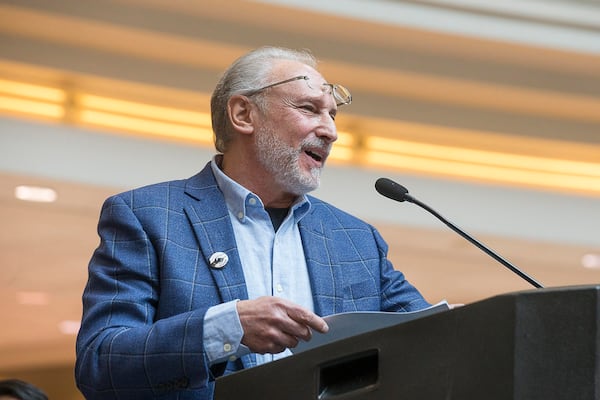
(317, 144)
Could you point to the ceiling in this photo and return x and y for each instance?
(520, 78)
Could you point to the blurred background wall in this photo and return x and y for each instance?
(487, 111)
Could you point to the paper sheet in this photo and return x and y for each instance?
(345, 325)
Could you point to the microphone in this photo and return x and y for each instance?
(395, 191)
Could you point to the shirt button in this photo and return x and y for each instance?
(240, 215)
(227, 347)
(252, 201)
(279, 288)
(232, 358)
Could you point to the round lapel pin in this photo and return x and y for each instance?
(218, 260)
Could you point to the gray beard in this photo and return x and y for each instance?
(282, 161)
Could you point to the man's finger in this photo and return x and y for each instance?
(309, 319)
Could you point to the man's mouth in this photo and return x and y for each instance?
(314, 156)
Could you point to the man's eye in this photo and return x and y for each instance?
(308, 108)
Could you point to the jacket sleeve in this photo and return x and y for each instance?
(397, 293)
(123, 351)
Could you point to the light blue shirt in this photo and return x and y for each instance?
(273, 265)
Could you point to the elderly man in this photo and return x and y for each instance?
(234, 266)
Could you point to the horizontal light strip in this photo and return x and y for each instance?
(482, 157)
(31, 107)
(37, 92)
(155, 128)
(341, 153)
(87, 101)
(33, 298)
(36, 194)
(407, 155)
(484, 140)
(344, 139)
(484, 172)
(343, 148)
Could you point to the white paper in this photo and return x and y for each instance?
(345, 325)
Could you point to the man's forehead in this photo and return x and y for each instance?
(286, 69)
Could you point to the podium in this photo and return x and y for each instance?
(541, 344)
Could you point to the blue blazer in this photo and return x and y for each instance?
(150, 285)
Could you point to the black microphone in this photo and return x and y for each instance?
(395, 191)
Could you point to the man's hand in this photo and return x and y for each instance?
(272, 324)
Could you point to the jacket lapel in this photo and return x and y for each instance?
(322, 264)
(210, 221)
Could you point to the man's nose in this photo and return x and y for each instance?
(327, 129)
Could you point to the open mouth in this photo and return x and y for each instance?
(314, 156)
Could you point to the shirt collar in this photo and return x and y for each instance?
(238, 197)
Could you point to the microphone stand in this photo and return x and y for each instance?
(471, 239)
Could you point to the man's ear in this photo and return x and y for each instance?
(241, 114)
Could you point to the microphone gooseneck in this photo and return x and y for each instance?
(395, 191)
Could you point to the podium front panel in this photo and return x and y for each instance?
(540, 344)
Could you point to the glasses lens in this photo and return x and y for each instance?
(341, 95)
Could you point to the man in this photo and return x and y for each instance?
(234, 266)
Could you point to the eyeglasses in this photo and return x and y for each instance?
(341, 95)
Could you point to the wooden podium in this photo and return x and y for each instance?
(541, 344)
